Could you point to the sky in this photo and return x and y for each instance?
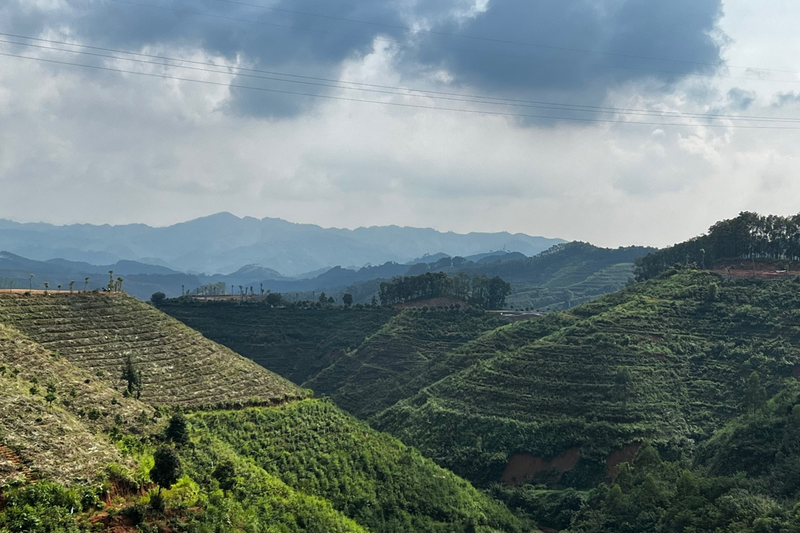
(616, 122)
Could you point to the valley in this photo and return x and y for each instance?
(666, 405)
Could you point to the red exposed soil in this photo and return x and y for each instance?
(9, 455)
(625, 454)
(522, 466)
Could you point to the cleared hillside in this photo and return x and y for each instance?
(53, 415)
(179, 366)
(663, 360)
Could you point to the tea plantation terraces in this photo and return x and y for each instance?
(665, 360)
(178, 366)
(80, 452)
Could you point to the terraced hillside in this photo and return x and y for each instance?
(383, 369)
(665, 360)
(52, 412)
(295, 343)
(286, 464)
(178, 366)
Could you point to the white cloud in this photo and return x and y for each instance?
(80, 146)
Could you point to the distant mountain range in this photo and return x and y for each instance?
(223, 243)
(142, 279)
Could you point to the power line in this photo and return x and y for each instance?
(474, 38)
(393, 90)
(393, 104)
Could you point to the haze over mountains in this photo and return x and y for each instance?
(223, 243)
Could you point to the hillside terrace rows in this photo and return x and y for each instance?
(178, 365)
(295, 343)
(375, 376)
(662, 360)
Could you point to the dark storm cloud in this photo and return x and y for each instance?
(285, 39)
(625, 36)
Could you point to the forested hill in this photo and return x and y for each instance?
(749, 236)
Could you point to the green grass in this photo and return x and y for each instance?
(382, 369)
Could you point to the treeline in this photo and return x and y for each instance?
(748, 236)
(481, 291)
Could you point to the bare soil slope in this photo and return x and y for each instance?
(179, 366)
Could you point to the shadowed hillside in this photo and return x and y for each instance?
(295, 343)
(380, 371)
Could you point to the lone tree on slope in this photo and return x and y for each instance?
(167, 468)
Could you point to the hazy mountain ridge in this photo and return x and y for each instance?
(224, 243)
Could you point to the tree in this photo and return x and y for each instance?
(755, 395)
(132, 376)
(177, 431)
(158, 298)
(85, 284)
(118, 286)
(225, 473)
(71, 286)
(323, 298)
(167, 468)
(347, 299)
(30, 282)
(110, 280)
(46, 286)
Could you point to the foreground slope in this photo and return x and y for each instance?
(664, 360)
(98, 332)
(292, 465)
(53, 415)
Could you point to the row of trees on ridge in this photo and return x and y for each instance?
(482, 291)
(748, 236)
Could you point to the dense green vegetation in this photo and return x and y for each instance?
(315, 448)
(295, 343)
(748, 236)
(664, 360)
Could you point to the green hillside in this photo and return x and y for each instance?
(663, 360)
(295, 343)
(369, 476)
(77, 452)
(382, 369)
